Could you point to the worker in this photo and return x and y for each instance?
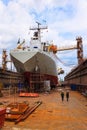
(1, 87)
(67, 96)
(62, 96)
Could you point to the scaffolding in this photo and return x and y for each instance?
(36, 82)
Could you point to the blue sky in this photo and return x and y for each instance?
(66, 20)
(5, 1)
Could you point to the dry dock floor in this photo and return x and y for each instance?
(52, 114)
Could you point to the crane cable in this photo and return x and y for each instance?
(65, 64)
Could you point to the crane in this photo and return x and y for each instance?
(20, 44)
(79, 48)
(4, 60)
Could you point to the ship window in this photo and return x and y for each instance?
(36, 34)
(35, 47)
(35, 38)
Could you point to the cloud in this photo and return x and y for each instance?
(65, 19)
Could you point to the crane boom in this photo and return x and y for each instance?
(66, 48)
(79, 48)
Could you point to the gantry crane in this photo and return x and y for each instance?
(79, 48)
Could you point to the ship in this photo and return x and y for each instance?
(37, 61)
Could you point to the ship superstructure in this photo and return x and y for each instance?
(37, 61)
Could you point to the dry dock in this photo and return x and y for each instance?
(53, 114)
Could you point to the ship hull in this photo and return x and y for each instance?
(37, 82)
(27, 62)
(35, 62)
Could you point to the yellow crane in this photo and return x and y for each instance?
(20, 44)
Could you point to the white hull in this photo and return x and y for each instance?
(26, 61)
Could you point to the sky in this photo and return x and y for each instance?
(66, 20)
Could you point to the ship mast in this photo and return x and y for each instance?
(38, 32)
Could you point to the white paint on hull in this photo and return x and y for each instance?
(26, 61)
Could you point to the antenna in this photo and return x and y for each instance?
(38, 30)
(38, 27)
(38, 24)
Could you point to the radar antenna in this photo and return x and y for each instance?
(38, 30)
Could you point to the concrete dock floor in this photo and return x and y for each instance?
(52, 114)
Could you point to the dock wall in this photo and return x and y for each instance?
(10, 78)
(77, 78)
